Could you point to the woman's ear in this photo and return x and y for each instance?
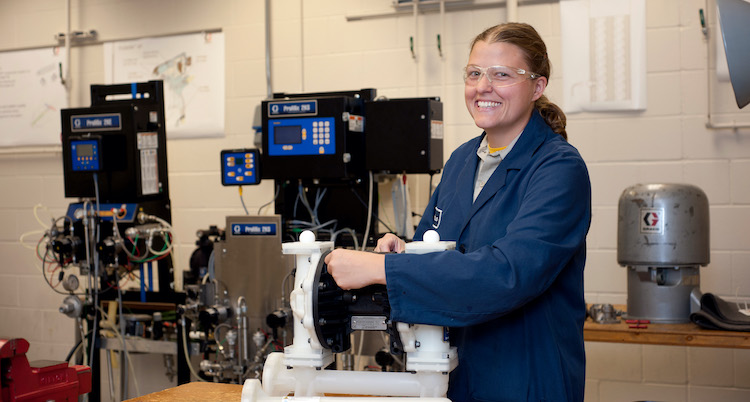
(540, 84)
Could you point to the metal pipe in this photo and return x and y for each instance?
(432, 6)
(269, 88)
(243, 351)
(66, 74)
(302, 44)
(512, 10)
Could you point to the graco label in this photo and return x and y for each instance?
(652, 221)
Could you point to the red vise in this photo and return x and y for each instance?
(42, 380)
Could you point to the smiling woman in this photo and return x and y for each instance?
(517, 202)
(519, 46)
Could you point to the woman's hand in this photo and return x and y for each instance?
(356, 269)
(390, 243)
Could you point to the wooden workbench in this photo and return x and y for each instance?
(201, 392)
(687, 334)
(654, 334)
(195, 392)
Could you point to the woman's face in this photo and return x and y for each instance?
(501, 111)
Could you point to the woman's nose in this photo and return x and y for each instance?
(484, 84)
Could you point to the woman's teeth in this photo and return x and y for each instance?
(487, 104)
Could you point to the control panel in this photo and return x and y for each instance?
(123, 212)
(240, 167)
(302, 136)
(84, 155)
(314, 136)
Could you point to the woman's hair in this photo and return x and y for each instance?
(528, 40)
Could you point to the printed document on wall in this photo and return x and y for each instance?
(603, 55)
(192, 68)
(31, 96)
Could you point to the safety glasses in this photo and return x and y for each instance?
(498, 76)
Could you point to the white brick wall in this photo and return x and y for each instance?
(668, 142)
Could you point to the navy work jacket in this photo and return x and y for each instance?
(512, 291)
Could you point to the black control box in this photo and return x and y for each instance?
(404, 135)
(314, 135)
(121, 140)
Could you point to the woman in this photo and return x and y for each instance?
(517, 201)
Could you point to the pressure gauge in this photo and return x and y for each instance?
(71, 283)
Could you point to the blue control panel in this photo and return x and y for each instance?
(239, 167)
(123, 212)
(302, 136)
(85, 155)
(96, 122)
(253, 229)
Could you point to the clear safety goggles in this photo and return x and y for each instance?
(498, 76)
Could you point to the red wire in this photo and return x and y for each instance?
(58, 282)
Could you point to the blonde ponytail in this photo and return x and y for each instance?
(553, 115)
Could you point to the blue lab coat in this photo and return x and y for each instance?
(512, 291)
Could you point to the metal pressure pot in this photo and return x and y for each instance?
(663, 239)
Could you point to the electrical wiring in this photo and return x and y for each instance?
(133, 254)
(167, 246)
(76, 348)
(275, 195)
(23, 236)
(83, 237)
(187, 355)
(216, 337)
(36, 215)
(134, 243)
(373, 214)
(351, 233)
(59, 281)
(242, 200)
(369, 216)
(211, 274)
(312, 226)
(318, 198)
(124, 346)
(92, 280)
(358, 356)
(44, 275)
(84, 340)
(284, 287)
(46, 260)
(169, 230)
(407, 212)
(305, 203)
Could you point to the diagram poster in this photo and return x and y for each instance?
(31, 96)
(192, 68)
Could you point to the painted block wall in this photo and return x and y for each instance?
(315, 48)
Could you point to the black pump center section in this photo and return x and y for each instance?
(333, 309)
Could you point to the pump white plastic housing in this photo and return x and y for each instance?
(299, 369)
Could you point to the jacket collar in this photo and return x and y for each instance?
(533, 135)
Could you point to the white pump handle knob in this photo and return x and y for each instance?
(431, 236)
(307, 237)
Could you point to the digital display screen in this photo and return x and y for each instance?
(85, 149)
(283, 135)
